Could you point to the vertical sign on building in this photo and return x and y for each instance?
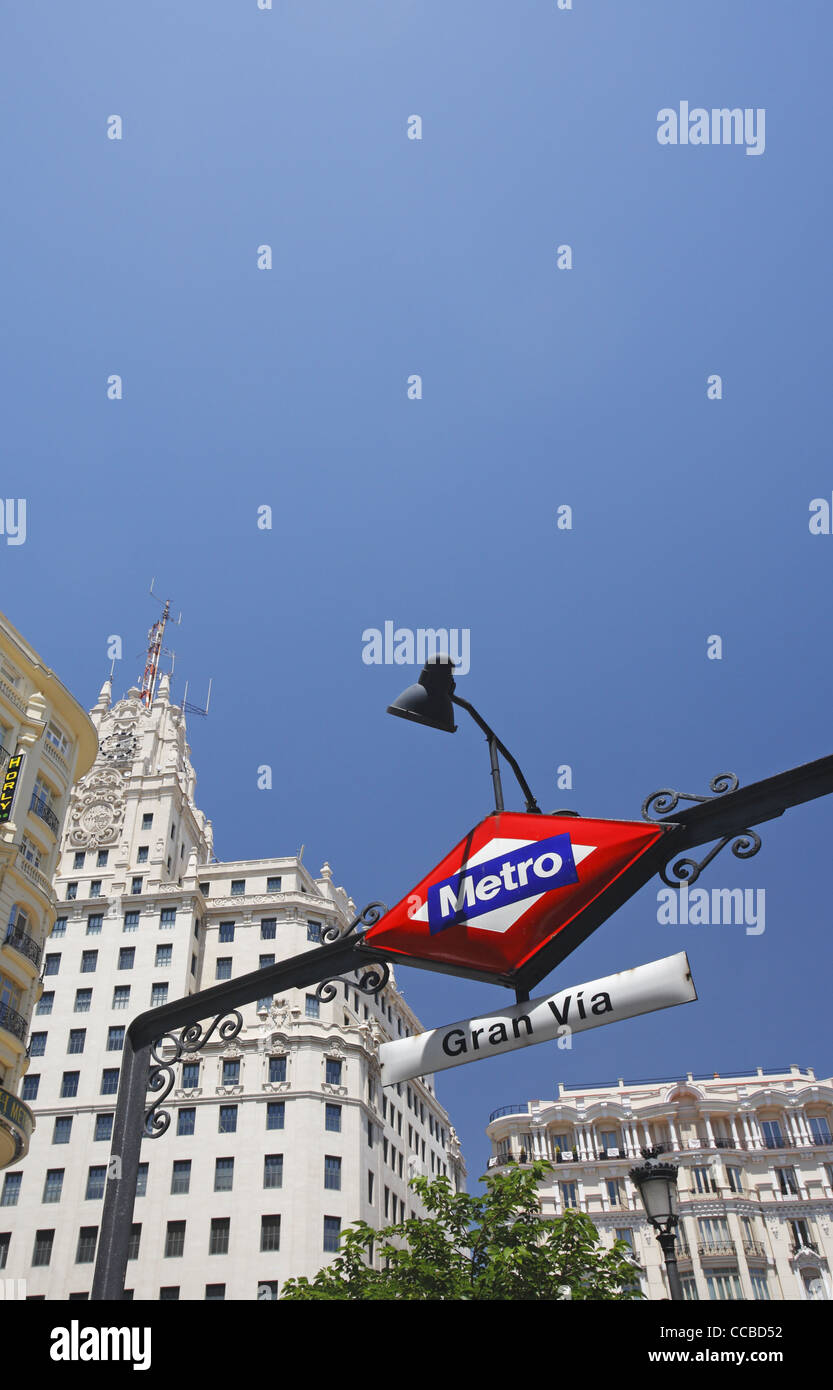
(9, 785)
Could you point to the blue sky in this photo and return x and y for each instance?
(541, 387)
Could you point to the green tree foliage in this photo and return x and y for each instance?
(497, 1246)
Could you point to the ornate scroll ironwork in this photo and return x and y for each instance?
(162, 1074)
(662, 803)
(376, 976)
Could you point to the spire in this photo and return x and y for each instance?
(105, 697)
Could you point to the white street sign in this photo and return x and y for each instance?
(641, 990)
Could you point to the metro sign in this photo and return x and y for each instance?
(517, 884)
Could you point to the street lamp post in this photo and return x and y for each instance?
(657, 1186)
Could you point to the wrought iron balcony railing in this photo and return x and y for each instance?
(25, 944)
(44, 810)
(521, 1108)
(13, 1022)
(754, 1247)
(717, 1247)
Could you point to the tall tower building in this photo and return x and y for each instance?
(278, 1138)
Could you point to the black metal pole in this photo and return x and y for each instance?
(667, 1240)
(496, 782)
(311, 967)
(495, 743)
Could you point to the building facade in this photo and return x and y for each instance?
(278, 1138)
(46, 741)
(755, 1157)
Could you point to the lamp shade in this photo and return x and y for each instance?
(657, 1183)
(429, 701)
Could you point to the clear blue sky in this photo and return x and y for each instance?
(541, 387)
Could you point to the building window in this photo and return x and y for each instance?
(77, 1038)
(51, 964)
(223, 969)
(109, 1081)
(101, 860)
(231, 1072)
(332, 1232)
(127, 957)
(275, 1114)
(714, 1233)
(115, 1039)
(614, 1195)
(223, 1174)
(142, 854)
(83, 999)
(158, 995)
(270, 1233)
(136, 884)
(56, 736)
(273, 884)
(30, 1087)
(180, 1176)
(37, 1045)
(94, 921)
(167, 918)
(219, 1238)
(85, 1253)
(332, 1172)
(625, 1233)
(53, 1184)
(773, 1138)
(135, 1241)
(62, 1129)
(45, 1002)
(370, 1187)
(266, 961)
(42, 1253)
(313, 1006)
(723, 1284)
(277, 1069)
(703, 1180)
(190, 1075)
(11, 1189)
(164, 955)
(268, 928)
(205, 889)
(103, 1127)
(313, 931)
(185, 1120)
(215, 1293)
(78, 861)
(228, 1119)
(142, 1180)
(273, 1170)
(226, 931)
(121, 996)
(95, 888)
(787, 1181)
(820, 1131)
(569, 1194)
(689, 1284)
(169, 1293)
(131, 921)
(69, 1084)
(72, 891)
(5, 1242)
(760, 1287)
(735, 1179)
(174, 1240)
(332, 1118)
(89, 961)
(238, 887)
(333, 1072)
(800, 1233)
(60, 927)
(96, 1178)
(147, 820)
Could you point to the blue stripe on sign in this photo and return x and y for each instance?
(518, 874)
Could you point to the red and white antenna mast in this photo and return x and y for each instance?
(151, 671)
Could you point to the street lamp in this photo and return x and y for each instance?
(657, 1185)
(431, 702)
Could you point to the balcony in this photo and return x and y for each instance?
(13, 1022)
(521, 1108)
(25, 944)
(44, 810)
(720, 1248)
(755, 1248)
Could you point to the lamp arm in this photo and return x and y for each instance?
(531, 803)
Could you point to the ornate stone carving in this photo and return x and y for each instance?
(97, 810)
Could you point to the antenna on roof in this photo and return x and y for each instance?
(150, 674)
(196, 709)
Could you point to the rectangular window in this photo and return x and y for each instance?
(42, 1253)
(53, 1184)
(625, 1233)
(11, 1189)
(89, 961)
(773, 1138)
(52, 964)
(56, 736)
(223, 969)
(96, 1178)
(219, 1238)
(136, 884)
(265, 961)
(142, 854)
(223, 1174)
(277, 1069)
(94, 923)
(723, 1284)
(703, 1181)
(158, 995)
(45, 1002)
(735, 1179)
(72, 891)
(238, 887)
(115, 1039)
(273, 884)
(787, 1181)
(174, 1240)
(215, 1293)
(190, 1075)
(167, 918)
(226, 931)
(83, 1000)
(131, 921)
(205, 889)
(121, 996)
(30, 1087)
(85, 1253)
(569, 1194)
(78, 861)
(169, 1293)
(275, 1114)
(164, 955)
(268, 928)
(5, 1242)
(69, 1084)
(135, 1240)
(820, 1132)
(228, 1119)
(273, 1170)
(193, 964)
(760, 1287)
(37, 1045)
(613, 1194)
(313, 1006)
(109, 1081)
(142, 1180)
(332, 1118)
(103, 1127)
(77, 1038)
(270, 1233)
(332, 1232)
(332, 1172)
(333, 1072)
(231, 1072)
(62, 1129)
(181, 1176)
(127, 956)
(60, 927)
(95, 888)
(147, 820)
(313, 931)
(185, 1120)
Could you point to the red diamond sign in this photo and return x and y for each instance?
(508, 889)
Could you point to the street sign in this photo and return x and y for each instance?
(659, 985)
(504, 892)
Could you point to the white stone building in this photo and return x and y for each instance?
(279, 1138)
(755, 1157)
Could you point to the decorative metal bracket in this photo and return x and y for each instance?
(162, 1075)
(660, 805)
(376, 976)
